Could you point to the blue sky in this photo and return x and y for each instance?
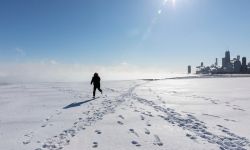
(146, 33)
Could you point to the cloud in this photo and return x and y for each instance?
(55, 72)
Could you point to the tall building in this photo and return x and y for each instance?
(189, 69)
(216, 62)
(227, 58)
(223, 63)
(229, 66)
(244, 61)
(244, 65)
(237, 66)
(248, 68)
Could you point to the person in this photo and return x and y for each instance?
(96, 82)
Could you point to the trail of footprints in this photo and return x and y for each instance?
(57, 142)
(93, 114)
(217, 101)
(29, 136)
(156, 139)
(197, 128)
(212, 100)
(47, 121)
(95, 143)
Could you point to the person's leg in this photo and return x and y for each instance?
(100, 89)
(94, 89)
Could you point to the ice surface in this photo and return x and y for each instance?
(190, 114)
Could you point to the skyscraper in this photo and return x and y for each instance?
(227, 58)
(244, 65)
(244, 61)
(189, 69)
(237, 66)
(223, 63)
(216, 62)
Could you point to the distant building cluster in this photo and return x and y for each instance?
(229, 66)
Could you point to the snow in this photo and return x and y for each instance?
(178, 113)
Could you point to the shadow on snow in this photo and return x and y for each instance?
(76, 104)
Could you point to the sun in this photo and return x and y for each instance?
(171, 1)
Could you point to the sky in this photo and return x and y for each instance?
(50, 40)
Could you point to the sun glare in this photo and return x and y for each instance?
(170, 1)
(173, 2)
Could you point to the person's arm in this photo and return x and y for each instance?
(91, 81)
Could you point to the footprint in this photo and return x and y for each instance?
(211, 115)
(147, 113)
(239, 109)
(80, 128)
(142, 117)
(95, 144)
(220, 126)
(26, 142)
(136, 143)
(157, 141)
(70, 132)
(119, 122)
(148, 124)
(230, 120)
(120, 116)
(98, 132)
(29, 137)
(58, 112)
(190, 136)
(133, 131)
(147, 131)
(46, 121)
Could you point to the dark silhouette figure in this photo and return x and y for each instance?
(96, 82)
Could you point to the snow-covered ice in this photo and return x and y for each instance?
(171, 114)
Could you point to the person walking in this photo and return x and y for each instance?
(96, 82)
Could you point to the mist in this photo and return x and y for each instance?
(56, 72)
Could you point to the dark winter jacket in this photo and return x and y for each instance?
(96, 81)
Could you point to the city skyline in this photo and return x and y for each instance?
(122, 39)
(228, 66)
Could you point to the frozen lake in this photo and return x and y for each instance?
(190, 114)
